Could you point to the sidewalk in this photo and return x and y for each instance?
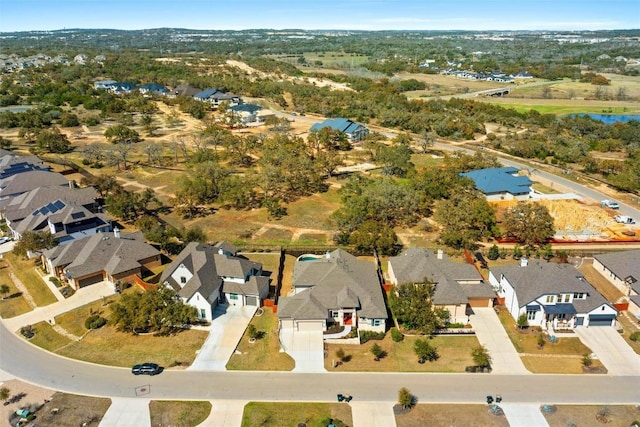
(82, 297)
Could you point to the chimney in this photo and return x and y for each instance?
(116, 232)
(440, 254)
(72, 184)
(220, 251)
(327, 255)
(524, 261)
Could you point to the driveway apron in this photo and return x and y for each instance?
(372, 414)
(491, 334)
(611, 349)
(306, 348)
(125, 412)
(524, 415)
(225, 413)
(225, 333)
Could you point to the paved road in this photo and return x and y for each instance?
(31, 364)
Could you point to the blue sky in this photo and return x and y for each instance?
(22, 15)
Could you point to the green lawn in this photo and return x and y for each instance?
(278, 414)
(73, 321)
(264, 354)
(48, 339)
(178, 413)
(25, 271)
(454, 351)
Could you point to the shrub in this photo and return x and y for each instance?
(425, 351)
(55, 281)
(494, 253)
(95, 322)
(340, 354)
(377, 351)
(540, 341)
(587, 361)
(396, 335)
(405, 398)
(27, 331)
(253, 332)
(370, 335)
(635, 336)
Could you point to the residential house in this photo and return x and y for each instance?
(207, 275)
(215, 97)
(65, 220)
(105, 84)
(501, 183)
(16, 184)
(354, 131)
(458, 286)
(184, 90)
(551, 295)
(153, 89)
(11, 164)
(622, 270)
(335, 289)
(111, 257)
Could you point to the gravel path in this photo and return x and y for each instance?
(22, 288)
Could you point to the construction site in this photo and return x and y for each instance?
(577, 221)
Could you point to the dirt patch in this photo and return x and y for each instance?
(593, 415)
(439, 415)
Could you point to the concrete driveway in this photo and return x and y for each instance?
(306, 348)
(612, 350)
(491, 334)
(225, 332)
(125, 412)
(372, 414)
(524, 415)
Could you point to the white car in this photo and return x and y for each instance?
(610, 204)
(4, 240)
(623, 219)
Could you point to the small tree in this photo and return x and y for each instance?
(252, 331)
(340, 354)
(522, 321)
(540, 341)
(425, 351)
(586, 360)
(4, 289)
(377, 351)
(4, 393)
(494, 253)
(480, 356)
(405, 398)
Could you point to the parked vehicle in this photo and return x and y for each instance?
(623, 219)
(481, 260)
(146, 369)
(4, 240)
(611, 204)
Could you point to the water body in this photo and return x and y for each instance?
(16, 109)
(611, 118)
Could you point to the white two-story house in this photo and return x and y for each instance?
(552, 295)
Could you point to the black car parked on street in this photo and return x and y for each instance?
(146, 369)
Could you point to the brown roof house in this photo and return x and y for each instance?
(337, 288)
(207, 275)
(622, 270)
(458, 286)
(102, 256)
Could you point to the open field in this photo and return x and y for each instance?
(32, 281)
(587, 415)
(454, 351)
(178, 413)
(16, 305)
(445, 415)
(277, 414)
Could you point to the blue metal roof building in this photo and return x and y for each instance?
(500, 183)
(354, 131)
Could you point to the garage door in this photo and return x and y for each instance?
(252, 300)
(601, 319)
(480, 302)
(90, 280)
(310, 326)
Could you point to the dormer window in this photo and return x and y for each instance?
(183, 280)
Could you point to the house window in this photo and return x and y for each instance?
(567, 297)
(578, 295)
(203, 313)
(531, 315)
(233, 296)
(551, 299)
(183, 280)
(335, 314)
(376, 322)
(561, 316)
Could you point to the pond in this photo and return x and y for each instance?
(611, 118)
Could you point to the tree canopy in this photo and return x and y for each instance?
(412, 306)
(529, 223)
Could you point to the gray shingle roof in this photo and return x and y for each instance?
(454, 282)
(337, 281)
(540, 278)
(209, 268)
(101, 252)
(18, 207)
(27, 181)
(623, 264)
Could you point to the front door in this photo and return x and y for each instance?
(347, 318)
